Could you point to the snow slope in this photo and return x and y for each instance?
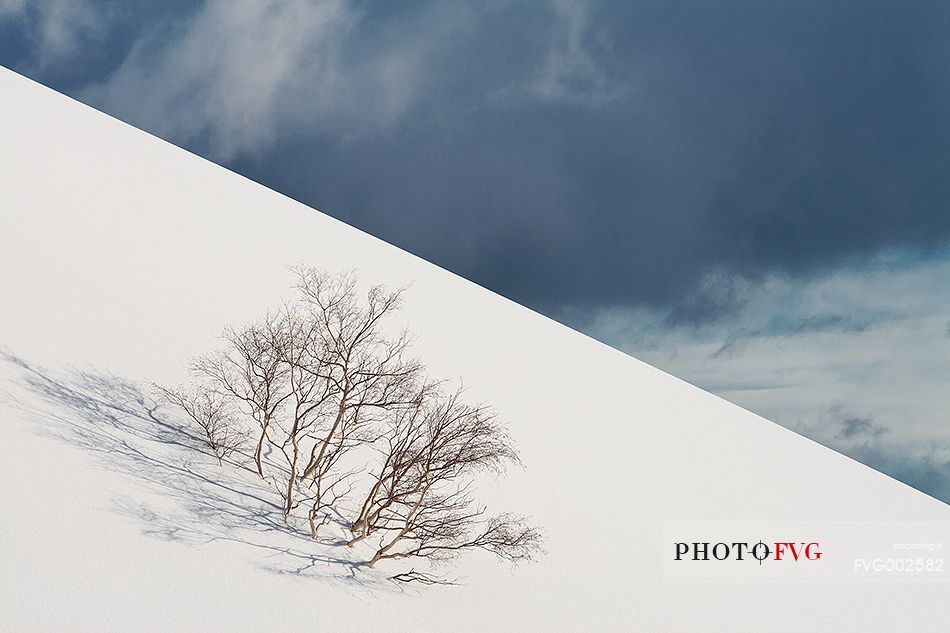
(122, 256)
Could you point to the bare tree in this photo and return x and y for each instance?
(311, 394)
(421, 500)
(213, 416)
(327, 380)
(251, 372)
(441, 529)
(366, 369)
(316, 374)
(397, 477)
(276, 370)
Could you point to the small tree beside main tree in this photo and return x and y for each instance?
(323, 383)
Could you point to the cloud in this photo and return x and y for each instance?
(12, 7)
(244, 74)
(925, 468)
(237, 77)
(58, 27)
(860, 427)
(570, 73)
(813, 324)
(856, 359)
(922, 465)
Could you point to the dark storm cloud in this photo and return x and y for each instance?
(860, 427)
(752, 137)
(595, 153)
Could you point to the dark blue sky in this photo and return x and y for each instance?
(753, 195)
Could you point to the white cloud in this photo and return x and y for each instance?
(858, 359)
(236, 76)
(242, 73)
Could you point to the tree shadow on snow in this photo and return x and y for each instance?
(198, 501)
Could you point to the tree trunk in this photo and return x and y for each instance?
(316, 458)
(259, 453)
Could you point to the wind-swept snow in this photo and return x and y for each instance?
(121, 257)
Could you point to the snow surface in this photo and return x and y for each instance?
(122, 256)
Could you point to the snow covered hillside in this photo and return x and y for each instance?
(122, 257)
